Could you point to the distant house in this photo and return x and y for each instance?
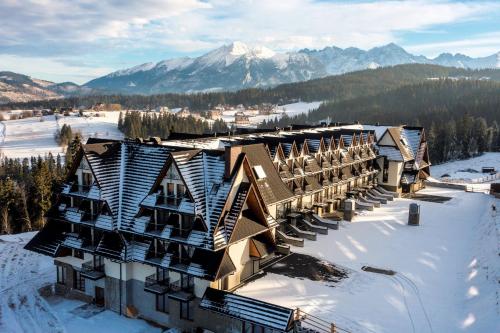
(162, 109)
(106, 107)
(266, 109)
(240, 118)
(183, 113)
(214, 114)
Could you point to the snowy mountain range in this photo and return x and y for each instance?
(16, 87)
(230, 67)
(237, 65)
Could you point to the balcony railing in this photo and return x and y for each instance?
(182, 262)
(92, 271)
(168, 200)
(181, 233)
(157, 284)
(80, 189)
(179, 285)
(89, 218)
(155, 228)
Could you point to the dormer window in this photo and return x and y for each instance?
(259, 172)
(214, 189)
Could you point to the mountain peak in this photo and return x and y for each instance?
(238, 48)
(238, 65)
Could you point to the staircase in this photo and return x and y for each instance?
(235, 210)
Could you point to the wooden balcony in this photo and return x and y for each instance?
(92, 271)
(157, 285)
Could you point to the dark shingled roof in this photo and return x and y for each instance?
(248, 309)
(271, 187)
(246, 227)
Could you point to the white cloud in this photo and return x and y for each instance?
(476, 46)
(51, 69)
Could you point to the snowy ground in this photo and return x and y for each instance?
(32, 137)
(290, 109)
(447, 270)
(466, 170)
(22, 273)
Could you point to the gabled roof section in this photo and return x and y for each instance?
(314, 145)
(401, 142)
(413, 138)
(272, 188)
(142, 164)
(104, 159)
(203, 173)
(286, 148)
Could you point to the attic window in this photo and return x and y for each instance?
(259, 171)
(215, 189)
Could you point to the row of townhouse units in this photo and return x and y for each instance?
(164, 230)
(321, 167)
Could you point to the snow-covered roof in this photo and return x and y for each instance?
(392, 153)
(248, 309)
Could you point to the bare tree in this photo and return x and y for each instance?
(4, 219)
(27, 226)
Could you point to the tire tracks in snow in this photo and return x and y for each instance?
(403, 292)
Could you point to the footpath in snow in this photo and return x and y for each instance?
(447, 270)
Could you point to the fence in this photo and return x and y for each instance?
(475, 180)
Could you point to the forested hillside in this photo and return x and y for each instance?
(461, 116)
(338, 87)
(135, 125)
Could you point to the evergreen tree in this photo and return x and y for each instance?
(42, 182)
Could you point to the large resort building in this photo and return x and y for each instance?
(165, 230)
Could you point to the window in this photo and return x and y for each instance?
(385, 174)
(162, 303)
(87, 179)
(61, 274)
(78, 281)
(259, 172)
(253, 328)
(186, 310)
(181, 190)
(170, 189)
(98, 261)
(78, 254)
(215, 189)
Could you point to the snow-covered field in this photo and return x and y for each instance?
(466, 170)
(22, 273)
(32, 137)
(447, 270)
(289, 109)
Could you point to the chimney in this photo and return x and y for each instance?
(155, 140)
(231, 154)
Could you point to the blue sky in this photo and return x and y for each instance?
(77, 40)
